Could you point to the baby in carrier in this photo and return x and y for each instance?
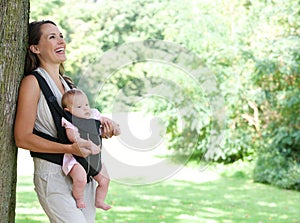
(86, 124)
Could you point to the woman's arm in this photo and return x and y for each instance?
(28, 98)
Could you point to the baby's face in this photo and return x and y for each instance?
(80, 107)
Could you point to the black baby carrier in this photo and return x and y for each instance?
(88, 129)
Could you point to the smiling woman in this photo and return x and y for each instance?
(36, 131)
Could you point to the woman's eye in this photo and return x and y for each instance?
(51, 37)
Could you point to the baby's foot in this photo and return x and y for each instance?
(80, 203)
(102, 205)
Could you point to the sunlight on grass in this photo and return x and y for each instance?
(124, 209)
(227, 199)
(188, 218)
(213, 212)
(262, 203)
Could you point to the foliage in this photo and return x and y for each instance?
(279, 167)
(252, 47)
(276, 76)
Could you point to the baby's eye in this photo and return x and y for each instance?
(51, 37)
(61, 36)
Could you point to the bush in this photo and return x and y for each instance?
(279, 167)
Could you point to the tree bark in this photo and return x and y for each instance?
(14, 17)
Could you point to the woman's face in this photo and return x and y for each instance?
(51, 47)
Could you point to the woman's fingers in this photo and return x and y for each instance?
(109, 128)
(95, 149)
(82, 148)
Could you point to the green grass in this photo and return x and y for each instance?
(233, 197)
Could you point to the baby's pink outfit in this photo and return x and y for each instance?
(69, 161)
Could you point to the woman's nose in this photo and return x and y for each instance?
(61, 40)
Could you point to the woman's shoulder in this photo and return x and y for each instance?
(29, 89)
(29, 80)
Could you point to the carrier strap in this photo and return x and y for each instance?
(56, 111)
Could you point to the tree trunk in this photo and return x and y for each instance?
(14, 16)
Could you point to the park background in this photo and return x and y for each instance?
(253, 50)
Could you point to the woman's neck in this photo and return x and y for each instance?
(53, 71)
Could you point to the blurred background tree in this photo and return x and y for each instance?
(252, 47)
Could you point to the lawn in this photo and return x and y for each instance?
(228, 198)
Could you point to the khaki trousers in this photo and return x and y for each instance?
(54, 191)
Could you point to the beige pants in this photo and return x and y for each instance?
(54, 190)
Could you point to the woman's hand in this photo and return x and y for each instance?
(82, 148)
(95, 149)
(85, 148)
(109, 128)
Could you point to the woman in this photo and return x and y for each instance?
(46, 53)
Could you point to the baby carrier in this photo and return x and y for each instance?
(88, 129)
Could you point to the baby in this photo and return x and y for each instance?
(76, 102)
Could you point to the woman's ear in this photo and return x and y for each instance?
(34, 49)
(66, 109)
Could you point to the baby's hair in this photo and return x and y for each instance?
(68, 96)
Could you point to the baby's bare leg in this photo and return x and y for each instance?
(78, 175)
(102, 189)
